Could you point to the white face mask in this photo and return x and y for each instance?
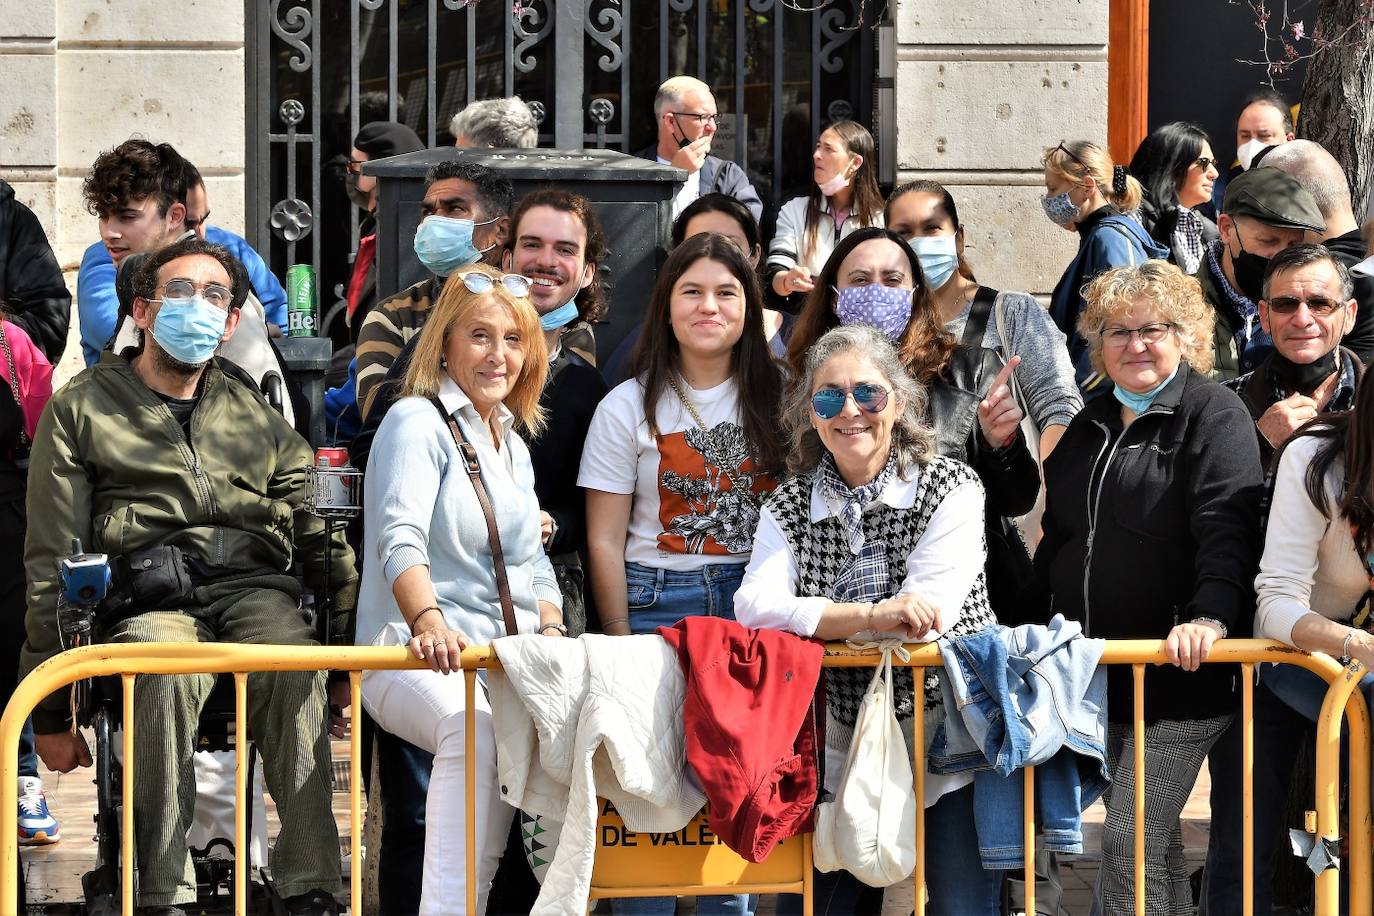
(1247, 151)
(834, 185)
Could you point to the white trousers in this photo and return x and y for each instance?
(426, 709)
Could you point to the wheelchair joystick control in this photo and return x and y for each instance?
(85, 581)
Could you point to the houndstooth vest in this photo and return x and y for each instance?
(822, 553)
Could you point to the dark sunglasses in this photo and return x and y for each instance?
(1204, 163)
(828, 402)
(1067, 152)
(1319, 306)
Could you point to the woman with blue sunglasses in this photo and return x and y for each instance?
(875, 278)
(875, 536)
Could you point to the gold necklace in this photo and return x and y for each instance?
(696, 418)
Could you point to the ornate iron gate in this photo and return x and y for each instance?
(318, 69)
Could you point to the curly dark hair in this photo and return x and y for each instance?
(137, 169)
(145, 281)
(591, 302)
(494, 191)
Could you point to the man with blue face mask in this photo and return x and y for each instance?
(165, 462)
(465, 218)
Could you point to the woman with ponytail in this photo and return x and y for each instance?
(1085, 192)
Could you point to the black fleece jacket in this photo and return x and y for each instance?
(1155, 525)
(31, 286)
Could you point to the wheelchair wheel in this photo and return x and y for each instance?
(100, 886)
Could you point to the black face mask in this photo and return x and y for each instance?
(1304, 378)
(1249, 270)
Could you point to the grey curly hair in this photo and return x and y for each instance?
(912, 439)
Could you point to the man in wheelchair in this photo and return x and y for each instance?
(196, 489)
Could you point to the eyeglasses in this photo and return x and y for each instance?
(182, 288)
(194, 224)
(1148, 334)
(480, 283)
(829, 401)
(1204, 163)
(1319, 306)
(356, 165)
(712, 119)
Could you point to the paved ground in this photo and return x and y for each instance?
(54, 872)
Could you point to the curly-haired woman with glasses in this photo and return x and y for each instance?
(1152, 532)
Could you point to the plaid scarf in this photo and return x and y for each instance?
(866, 576)
(852, 502)
(1187, 239)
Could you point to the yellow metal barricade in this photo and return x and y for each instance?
(709, 868)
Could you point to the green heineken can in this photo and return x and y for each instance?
(302, 297)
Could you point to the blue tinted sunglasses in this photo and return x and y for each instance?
(828, 402)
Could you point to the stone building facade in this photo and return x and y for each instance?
(981, 87)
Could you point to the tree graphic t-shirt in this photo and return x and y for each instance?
(696, 492)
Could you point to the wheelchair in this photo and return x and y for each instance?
(86, 581)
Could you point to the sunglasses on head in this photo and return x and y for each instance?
(1067, 152)
(829, 401)
(1319, 306)
(480, 283)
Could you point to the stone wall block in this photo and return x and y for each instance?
(998, 22)
(28, 19)
(41, 198)
(144, 22)
(28, 119)
(191, 99)
(226, 202)
(995, 114)
(76, 228)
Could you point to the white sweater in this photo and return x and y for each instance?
(581, 718)
(1310, 564)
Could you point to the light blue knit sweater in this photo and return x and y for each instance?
(420, 508)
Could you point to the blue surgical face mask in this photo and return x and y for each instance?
(939, 256)
(1059, 208)
(443, 244)
(564, 314)
(887, 308)
(1141, 402)
(189, 329)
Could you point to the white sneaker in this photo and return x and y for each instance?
(37, 827)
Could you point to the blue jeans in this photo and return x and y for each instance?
(660, 598)
(28, 758)
(403, 770)
(1287, 702)
(955, 877)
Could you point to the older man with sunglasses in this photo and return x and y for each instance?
(1307, 307)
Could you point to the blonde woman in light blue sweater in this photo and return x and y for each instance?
(429, 579)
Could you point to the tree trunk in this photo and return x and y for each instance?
(1338, 94)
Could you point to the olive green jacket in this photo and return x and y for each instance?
(110, 465)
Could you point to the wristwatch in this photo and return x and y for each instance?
(562, 630)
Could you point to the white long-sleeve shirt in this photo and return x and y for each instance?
(941, 568)
(1310, 564)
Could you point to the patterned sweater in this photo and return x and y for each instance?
(822, 553)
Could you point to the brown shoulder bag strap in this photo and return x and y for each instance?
(469, 454)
